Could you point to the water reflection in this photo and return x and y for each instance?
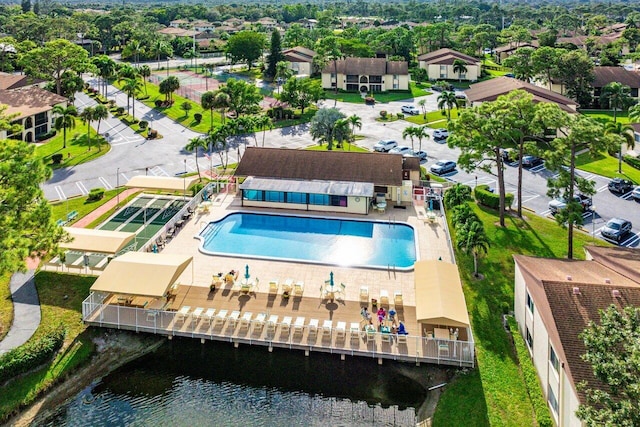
(186, 383)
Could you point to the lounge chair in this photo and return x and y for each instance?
(287, 285)
(371, 333)
(245, 320)
(364, 294)
(384, 297)
(208, 315)
(272, 323)
(258, 322)
(233, 318)
(195, 316)
(341, 330)
(298, 289)
(285, 326)
(397, 298)
(313, 327)
(220, 317)
(151, 315)
(183, 313)
(273, 286)
(327, 327)
(402, 338)
(354, 330)
(298, 326)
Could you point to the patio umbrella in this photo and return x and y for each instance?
(430, 204)
(246, 272)
(331, 279)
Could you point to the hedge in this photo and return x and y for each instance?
(633, 161)
(31, 355)
(489, 199)
(96, 194)
(534, 389)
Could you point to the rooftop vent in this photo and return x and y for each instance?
(615, 293)
(569, 278)
(607, 281)
(576, 290)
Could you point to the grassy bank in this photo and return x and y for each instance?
(433, 119)
(495, 394)
(605, 165)
(61, 299)
(345, 147)
(6, 305)
(79, 148)
(81, 204)
(415, 91)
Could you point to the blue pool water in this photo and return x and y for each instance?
(316, 240)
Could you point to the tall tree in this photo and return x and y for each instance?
(617, 97)
(301, 93)
(145, 72)
(356, 122)
(100, 113)
(87, 117)
(245, 46)
(323, 125)
(263, 123)
(193, 145)
(472, 240)
(65, 120)
(575, 133)
(168, 86)
(25, 5)
(409, 132)
(53, 59)
(26, 224)
(106, 68)
(421, 133)
(207, 102)
(446, 102)
(623, 134)
(132, 86)
(521, 63)
(460, 67)
(575, 72)
(275, 54)
(613, 352)
(244, 97)
(159, 48)
(544, 62)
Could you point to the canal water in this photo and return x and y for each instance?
(185, 383)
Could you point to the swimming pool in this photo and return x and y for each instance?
(349, 243)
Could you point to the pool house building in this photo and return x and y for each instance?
(329, 181)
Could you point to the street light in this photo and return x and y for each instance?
(593, 222)
(184, 181)
(117, 185)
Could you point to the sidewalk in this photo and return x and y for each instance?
(26, 310)
(92, 216)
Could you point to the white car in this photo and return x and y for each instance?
(384, 145)
(403, 149)
(440, 133)
(410, 109)
(636, 193)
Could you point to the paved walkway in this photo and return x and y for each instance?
(97, 213)
(26, 311)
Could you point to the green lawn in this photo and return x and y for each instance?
(78, 150)
(61, 299)
(605, 165)
(82, 205)
(605, 116)
(416, 90)
(433, 119)
(345, 147)
(6, 305)
(496, 394)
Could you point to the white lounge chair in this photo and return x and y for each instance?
(298, 289)
(341, 330)
(220, 317)
(258, 322)
(364, 294)
(402, 339)
(313, 327)
(208, 315)
(397, 298)
(273, 286)
(245, 320)
(233, 318)
(183, 313)
(384, 297)
(298, 326)
(354, 330)
(327, 327)
(272, 323)
(195, 316)
(287, 285)
(285, 326)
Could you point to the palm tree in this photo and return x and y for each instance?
(207, 102)
(106, 68)
(617, 96)
(342, 131)
(145, 72)
(222, 100)
(218, 139)
(100, 112)
(263, 122)
(193, 145)
(423, 106)
(355, 122)
(131, 87)
(168, 86)
(634, 113)
(624, 133)
(409, 132)
(136, 49)
(87, 116)
(460, 67)
(446, 101)
(472, 239)
(421, 133)
(161, 47)
(65, 120)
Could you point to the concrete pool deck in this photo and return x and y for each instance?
(432, 238)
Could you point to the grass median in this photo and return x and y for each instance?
(79, 148)
(495, 393)
(605, 165)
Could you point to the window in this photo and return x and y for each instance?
(395, 77)
(375, 88)
(529, 338)
(300, 198)
(339, 201)
(375, 79)
(319, 199)
(274, 196)
(254, 195)
(352, 78)
(553, 359)
(530, 303)
(396, 86)
(443, 71)
(553, 401)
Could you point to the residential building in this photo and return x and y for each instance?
(335, 181)
(490, 90)
(267, 23)
(439, 65)
(17, 81)
(33, 106)
(300, 60)
(554, 300)
(503, 52)
(366, 75)
(606, 75)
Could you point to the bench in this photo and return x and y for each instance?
(61, 222)
(72, 215)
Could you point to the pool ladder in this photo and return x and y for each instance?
(391, 269)
(392, 220)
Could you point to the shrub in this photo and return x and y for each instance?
(31, 355)
(47, 135)
(369, 100)
(120, 111)
(56, 159)
(112, 103)
(400, 115)
(633, 161)
(534, 389)
(158, 103)
(143, 124)
(197, 117)
(196, 188)
(153, 134)
(383, 114)
(490, 199)
(95, 194)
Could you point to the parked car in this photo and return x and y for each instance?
(443, 166)
(531, 161)
(616, 229)
(620, 186)
(403, 149)
(422, 155)
(559, 204)
(509, 155)
(384, 145)
(410, 109)
(636, 194)
(440, 134)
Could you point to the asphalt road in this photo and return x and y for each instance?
(132, 155)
